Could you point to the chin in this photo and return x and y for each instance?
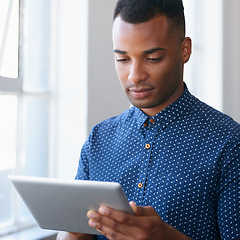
(142, 105)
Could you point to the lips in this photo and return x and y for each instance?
(140, 92)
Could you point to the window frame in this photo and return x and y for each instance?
(14, 87)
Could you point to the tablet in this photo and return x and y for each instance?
(63, 204)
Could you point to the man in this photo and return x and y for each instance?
(176, 158)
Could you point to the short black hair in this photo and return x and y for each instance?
(139, 11)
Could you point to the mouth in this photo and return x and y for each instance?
(140, 92)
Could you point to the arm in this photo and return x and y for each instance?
(73, 236)
(145, 224)
(228, 204)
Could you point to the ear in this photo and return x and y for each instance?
(186, 49)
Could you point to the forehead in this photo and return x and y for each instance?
(153, 33)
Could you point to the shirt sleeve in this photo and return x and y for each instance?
(229, 192)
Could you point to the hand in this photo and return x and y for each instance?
(73, 236)
(145, 224)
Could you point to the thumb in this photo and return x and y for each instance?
(143, 211)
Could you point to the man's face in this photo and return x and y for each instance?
(149, 60)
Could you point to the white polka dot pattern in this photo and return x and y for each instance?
(185, 163)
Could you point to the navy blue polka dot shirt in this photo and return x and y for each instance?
(184, 162)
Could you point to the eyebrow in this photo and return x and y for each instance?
(120, 51)
(153, 50)
(145, 52)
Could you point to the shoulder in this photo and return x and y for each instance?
(122, 120)
(213, 120)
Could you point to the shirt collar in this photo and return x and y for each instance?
(170, 113)
(140, 116)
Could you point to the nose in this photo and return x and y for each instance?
(137, 72)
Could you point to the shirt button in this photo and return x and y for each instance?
(140, 185)
(147, 146)
(152, 121)
(145, 124)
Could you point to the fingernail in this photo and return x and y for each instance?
(92, 223)
(91, 215)
(132, 203)
(103, 210)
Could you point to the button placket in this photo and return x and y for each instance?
(150, 130)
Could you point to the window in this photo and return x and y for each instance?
(43, 86)
(25, 100)
(9, 39)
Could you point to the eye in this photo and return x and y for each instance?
(122, 60)
(154, 59)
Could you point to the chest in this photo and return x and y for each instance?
(157, 160)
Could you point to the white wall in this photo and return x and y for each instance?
(231, 58)
(105, 94)
(69, 32)
(88, 90)
(203, 72)
(213, 72)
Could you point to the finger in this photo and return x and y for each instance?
(98, 221)
(94, 219)
(113, 229)
(116, 215)
(135, 208)
(108, 227)
(93, 215)
(114, 223)
(143, 211)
